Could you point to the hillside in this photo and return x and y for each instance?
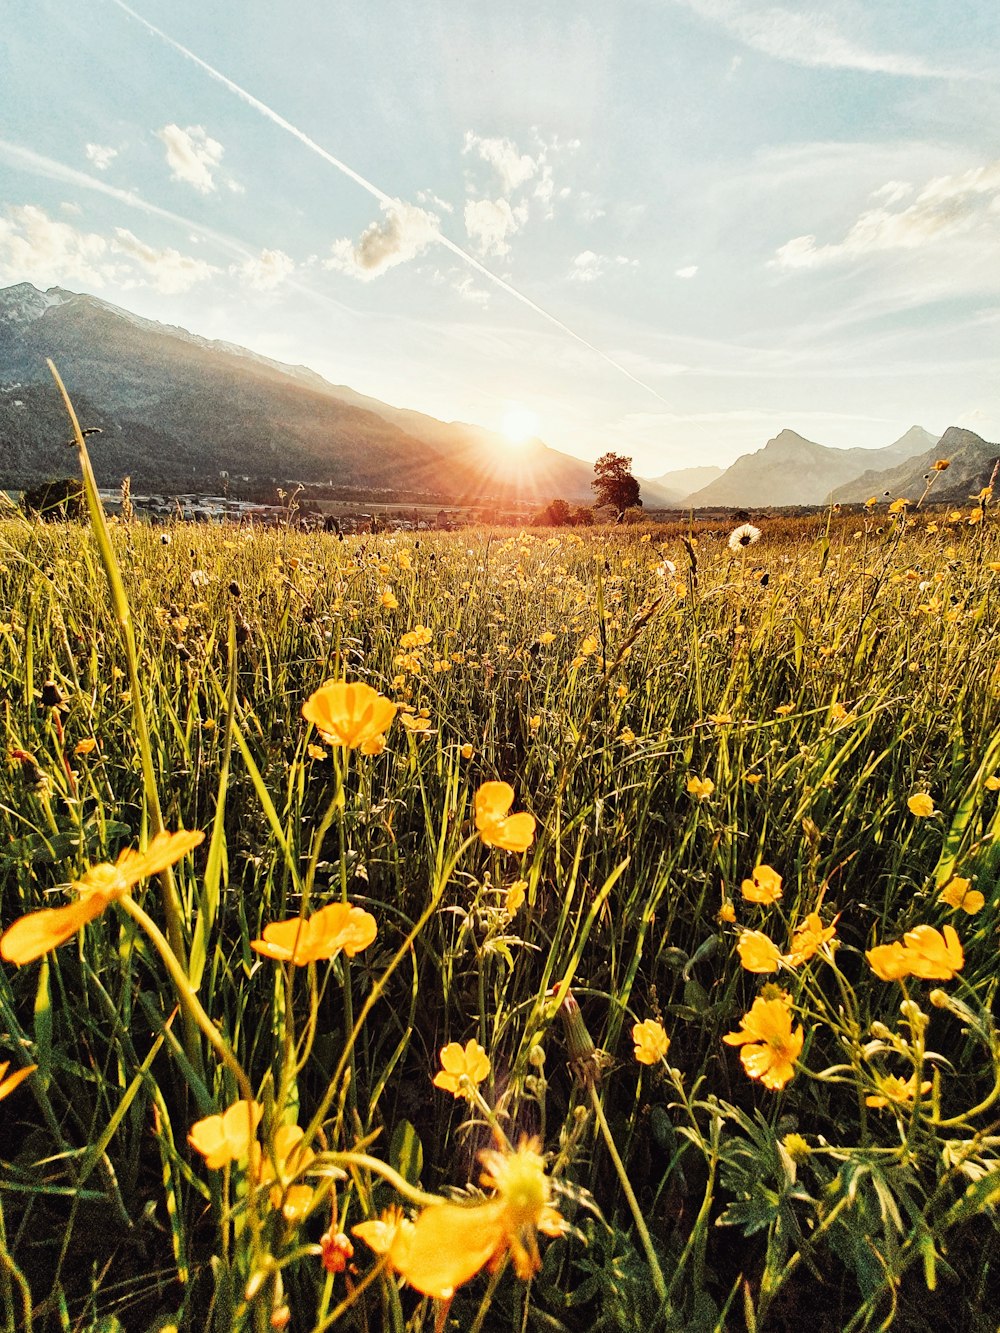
(791, 470)
(176, 410)
(972, 461)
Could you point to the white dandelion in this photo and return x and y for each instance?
(745, 535)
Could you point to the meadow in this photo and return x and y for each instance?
(690, 1026)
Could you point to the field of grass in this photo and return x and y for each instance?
(724, 753)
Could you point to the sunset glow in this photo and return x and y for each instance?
(520, 425)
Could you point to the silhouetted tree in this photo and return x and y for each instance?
(556, 514)
(614, 484)
(54, 500)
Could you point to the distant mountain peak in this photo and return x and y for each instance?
(24, 303)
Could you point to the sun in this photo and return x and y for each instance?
(520, 425)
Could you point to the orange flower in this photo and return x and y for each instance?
(460, 1067)
(8, 1082)
(770, 1045)
(227, 1137)
(807, 939)
(757, 952)
(339, 928)
(354, 716)
(934, 956)
(764, 886)
(888, 961)
(450, 1242)
(514, 833)
(651, 1042)
(35, 934)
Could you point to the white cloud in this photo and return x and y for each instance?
(807, 37)
(266, 271)
(405, 232)
(589, 266)
(191, 155)
(468, 291)
(513, 167)
(71, 210)
(946, 206)
(36, 248)
(688, 271)
(168, 270)
(490, 221)
(100, 155)
(429, 197)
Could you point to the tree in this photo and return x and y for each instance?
(614, 483)
(55, 500)
(556, 514)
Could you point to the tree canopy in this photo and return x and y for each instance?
(614, 484)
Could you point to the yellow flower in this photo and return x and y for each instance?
(451, 1242)
(894, 1092)
(349, 715)
(589, 646)
(651, 1042)
(992, 783)
(898, 506)
(764, 886)
(871, 502)
(838, 713)
(287, 1160)
(547, 637)
(415, 723)
(784, 709)
(461, 1066)
(86, 746)
(534, 722)
(757, 952)
(378, 1233)
(418, 637)
(388, 600)
(627, 736)
(35, 934)
(334, 929)
(621, 692)
(227, 1137)
(958, 892)
(467, 751)
(808, 937)
(923, 952)
(920, 805)
(702, 788)
(515, 896)
(933, 955)
(753, 778)
(720, 719)
(315, 752)
(726, 913)
(940, 464)
(770, 1045)
(8, 1082)
(514, 833)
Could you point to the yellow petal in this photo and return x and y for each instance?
(38, 932)
(448, 1245)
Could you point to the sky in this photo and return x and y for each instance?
(671, 228)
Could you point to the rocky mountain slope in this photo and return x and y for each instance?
(971, 459)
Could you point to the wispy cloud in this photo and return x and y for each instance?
(688, 271)
(36, 248)
(100, 155)
(808, 36)
(513, 167)
(588, 266)
(946, 206)
(192, 156)
(489, 222)
(405, 232)
(167, 270)
(266, 271)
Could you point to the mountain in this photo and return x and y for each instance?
(673, 488)
(972, 462)
(176, 410)
(791, 470)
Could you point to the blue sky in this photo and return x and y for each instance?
(667, 227)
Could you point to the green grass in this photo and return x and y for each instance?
(878, 1216)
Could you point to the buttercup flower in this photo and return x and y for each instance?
(770, 1045)
(514, 833)
(958, 892)
(339, 928)
(757, 952)
(651, 1042)
(227, 1137)
(288, 1160)
(469, 1062)
(354, 716)
(701, 788)
(378, 1233)
(920, 804)
(894, 1092)
(451, 1242)
(924, 952)
(888, 961)
(35, 934)
(515, 896)
(807, 938)
(764, 886)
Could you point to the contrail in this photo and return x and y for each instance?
(29, 160)
(381, 195)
